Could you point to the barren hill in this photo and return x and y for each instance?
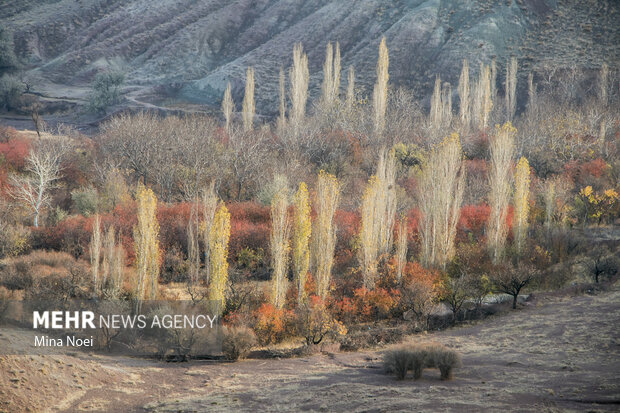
(188, 49)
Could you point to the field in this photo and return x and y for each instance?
(559, 352)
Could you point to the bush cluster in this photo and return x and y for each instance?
(237, 342)
(416, 358)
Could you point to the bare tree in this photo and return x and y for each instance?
(379, 94)
(511, 279)
(502, 151)
(440, 196)
(248, 107)
(464, 95)
(511, 88)
(299, 77)
(43, 166)
(350, 88)
(227, 107)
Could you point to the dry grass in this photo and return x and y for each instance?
(559, 354)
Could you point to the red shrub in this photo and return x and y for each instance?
(14, 152)
(472, 220)
(585, 172)
(347, 223)
(249, 227)
(248, 211)
(71, 235)
(173, 219)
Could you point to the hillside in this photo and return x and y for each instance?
(186, 50)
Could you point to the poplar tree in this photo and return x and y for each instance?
(446, 99)
(279, 245)
(227, 107)
(521, 202)
(493, 81)
(441, 192)
(379, 94)
(331, 77)
(248, 108)
(302, 228)
(299, 77)
(511, 88)
(146, 245)
(603, 80)
(464, 95)
(219, 235)
(549, 202)
(350, 99)
(209, 205)
(401, 249)
(377, 214)
(436, 111)
(95, 253)
(502, 147)
(482, 98)
(281, 122)
(324, 232)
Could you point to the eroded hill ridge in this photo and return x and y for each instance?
(190, 49)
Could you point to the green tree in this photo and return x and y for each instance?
(106, 90)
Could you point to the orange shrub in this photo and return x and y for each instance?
(314, 322)
(272, 325)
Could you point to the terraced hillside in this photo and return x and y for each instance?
(189, 49)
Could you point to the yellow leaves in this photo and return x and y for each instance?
(611, 195)
(452, 140)
(146, 244)
(218, 253)
(506, 128)
(302, 228)
(586, 192)
(521, 200)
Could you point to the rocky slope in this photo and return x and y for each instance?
(189, 49)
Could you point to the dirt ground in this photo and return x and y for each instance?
(555, 353)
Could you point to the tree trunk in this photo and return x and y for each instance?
(514, 301)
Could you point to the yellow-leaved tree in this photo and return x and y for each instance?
(146, 245)
(324, 231)
(219, 235)
(521, 202)
(302, 228)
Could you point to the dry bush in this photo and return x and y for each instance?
(23, 272)
(417, 357)
(398, 362)
(237, 342)
(14, 239)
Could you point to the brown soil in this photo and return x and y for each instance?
(555, 353)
